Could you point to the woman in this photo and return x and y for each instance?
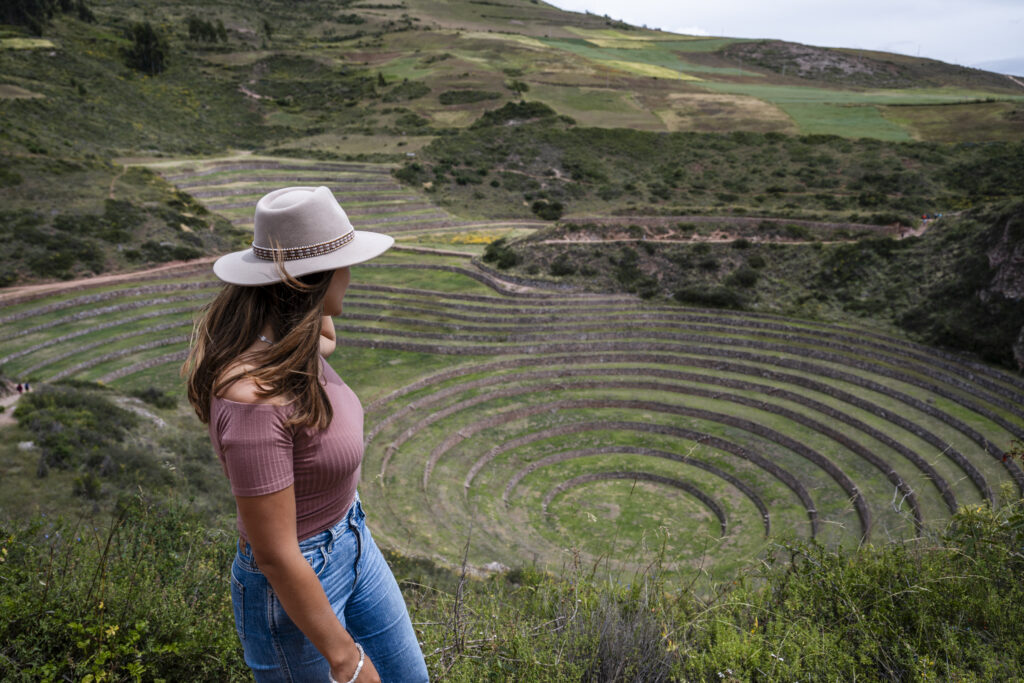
(314, 599)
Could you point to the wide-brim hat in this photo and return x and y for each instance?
(304, 230)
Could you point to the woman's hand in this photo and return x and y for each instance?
(343, 673)
(328, 340)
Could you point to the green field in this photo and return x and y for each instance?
(558, 412)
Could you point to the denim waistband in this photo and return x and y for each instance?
(329, 536)
(324, 538)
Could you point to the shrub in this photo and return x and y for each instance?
(513, 112)
(467, 96)
(412, 174)
(205, 30)
(411, 120)
(797, 232)
(561, 266)
(139, 596)
(715, 297)
(75, 427)
(148, 51)
(155, 397)
(407, 90)
(499, 253)
(549, 211)
(160, 252)
(742, 277)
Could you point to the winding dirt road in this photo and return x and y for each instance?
(14, 295)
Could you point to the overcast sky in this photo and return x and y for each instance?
(968, 32)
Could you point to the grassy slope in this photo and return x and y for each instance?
(501, 169)
(330, 82)
(930, 286)
(946, 607)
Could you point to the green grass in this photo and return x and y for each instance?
(803, 612)
(846, 120)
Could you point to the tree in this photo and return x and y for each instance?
(148, 51)
(206, 31)
(518, 87)
(34, 14)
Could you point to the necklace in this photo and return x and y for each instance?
(265, 340)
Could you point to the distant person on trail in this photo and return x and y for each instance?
(19, 389)
(314, 599)
(27, 387)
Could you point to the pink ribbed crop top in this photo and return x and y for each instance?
(260, 455)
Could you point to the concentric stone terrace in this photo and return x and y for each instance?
(538, 424)
(371, 197)
(611, 426)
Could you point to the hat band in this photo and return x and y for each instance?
(308, 251)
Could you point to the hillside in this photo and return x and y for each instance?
(520, 154)
(338, 72)
(699, 356)
(957, 285)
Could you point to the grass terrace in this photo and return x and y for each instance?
(597, 422)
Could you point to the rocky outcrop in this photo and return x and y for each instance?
(807, 61)
(1006, 259)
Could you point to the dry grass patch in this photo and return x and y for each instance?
(25, 44)
(649, 70)
(13, 92)
(974, 121)
(611, 35)
(525, 41)
(712, 112)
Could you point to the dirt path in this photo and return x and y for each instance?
(15, 295)
(1015, 80)
(712, 240)
(8, 402)
(431, 250)
(113, 181)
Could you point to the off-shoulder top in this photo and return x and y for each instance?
(260, 455)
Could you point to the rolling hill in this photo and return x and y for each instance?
(660, 306)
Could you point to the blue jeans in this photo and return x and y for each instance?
(361, 589)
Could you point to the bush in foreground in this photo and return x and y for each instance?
(144, 597)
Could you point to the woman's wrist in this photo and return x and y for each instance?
(358, 667)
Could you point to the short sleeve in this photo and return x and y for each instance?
(255, 447)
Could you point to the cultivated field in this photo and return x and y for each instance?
(535, 423)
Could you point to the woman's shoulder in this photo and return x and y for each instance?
(243, 388)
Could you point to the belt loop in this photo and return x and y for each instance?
(336, 531)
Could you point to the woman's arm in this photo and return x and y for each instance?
(270, 523)
(328, 337)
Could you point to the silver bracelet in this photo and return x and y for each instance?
(359, 666)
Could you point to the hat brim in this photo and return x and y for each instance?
(246, 269)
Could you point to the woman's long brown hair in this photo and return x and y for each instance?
(290, 367)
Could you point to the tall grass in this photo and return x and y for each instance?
(142, 595)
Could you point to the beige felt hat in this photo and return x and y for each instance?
(307, 231)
